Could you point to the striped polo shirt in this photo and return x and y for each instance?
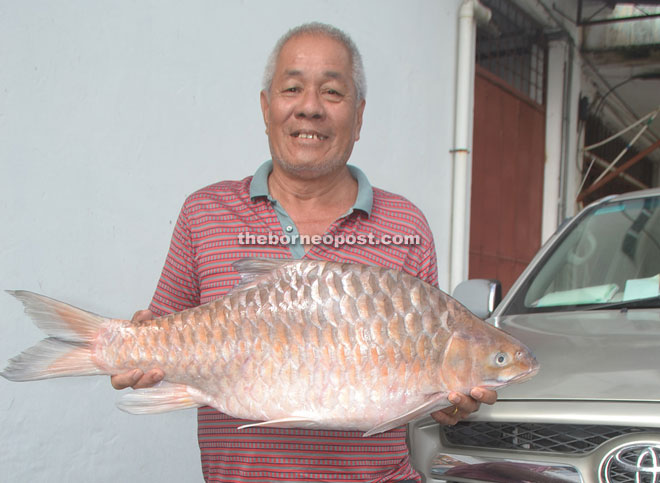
(231, 220)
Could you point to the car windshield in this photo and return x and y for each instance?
(610, 258)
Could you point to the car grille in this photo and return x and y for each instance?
(633, 463)
(549, 438)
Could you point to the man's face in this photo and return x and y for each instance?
(311, 112)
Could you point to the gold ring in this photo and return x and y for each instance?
(454, 411)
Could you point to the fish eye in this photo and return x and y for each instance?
(501, 358)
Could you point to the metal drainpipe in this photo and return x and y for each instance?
(565, 137)
(470, 13)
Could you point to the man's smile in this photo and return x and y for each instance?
(309, 135)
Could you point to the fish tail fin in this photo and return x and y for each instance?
(50, 358)
(67, 352)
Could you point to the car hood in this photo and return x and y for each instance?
(589, 355)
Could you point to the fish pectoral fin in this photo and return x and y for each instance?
(433, 403)
(290, 422)
(161, 398)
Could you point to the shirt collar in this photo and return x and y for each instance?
(259, 183)
(363, 201)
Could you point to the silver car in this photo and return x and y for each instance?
(588, 306)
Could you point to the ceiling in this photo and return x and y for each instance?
(619, 44)
(622, 41)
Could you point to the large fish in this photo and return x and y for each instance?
(305, 343)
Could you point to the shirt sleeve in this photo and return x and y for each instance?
(428, 270)
(178, 286)
(421, 260)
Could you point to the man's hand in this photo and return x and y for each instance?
(464, 405)
(136, 378)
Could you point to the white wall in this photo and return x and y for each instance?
(110, 114)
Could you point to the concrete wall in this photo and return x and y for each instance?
(110, 114)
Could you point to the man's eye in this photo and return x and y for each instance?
(333, 94)
(292, 89)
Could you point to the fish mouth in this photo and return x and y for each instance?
(525, 376)
(526, 360)
(522, 377)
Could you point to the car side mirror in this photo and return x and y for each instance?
(479, 295)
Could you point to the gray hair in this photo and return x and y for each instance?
(318, 28)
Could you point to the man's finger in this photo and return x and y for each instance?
(465, 404)
(142, 315)
(447, 416)
(136, 379)
(150, 378)
(127, 379)
(482, 395)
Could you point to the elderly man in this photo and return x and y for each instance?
(312, 103)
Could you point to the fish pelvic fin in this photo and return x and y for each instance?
(161, 398)
(67, 352)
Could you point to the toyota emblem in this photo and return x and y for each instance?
(638, 463)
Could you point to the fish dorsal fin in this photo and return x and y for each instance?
(250, 269)
(433, 403)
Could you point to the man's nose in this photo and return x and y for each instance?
(311, 105)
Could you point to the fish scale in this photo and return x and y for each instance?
(296, 344)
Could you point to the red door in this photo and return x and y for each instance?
(507, 180)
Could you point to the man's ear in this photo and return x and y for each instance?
(358, 124)
(265, 107)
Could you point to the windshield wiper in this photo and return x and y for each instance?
(646, 303)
